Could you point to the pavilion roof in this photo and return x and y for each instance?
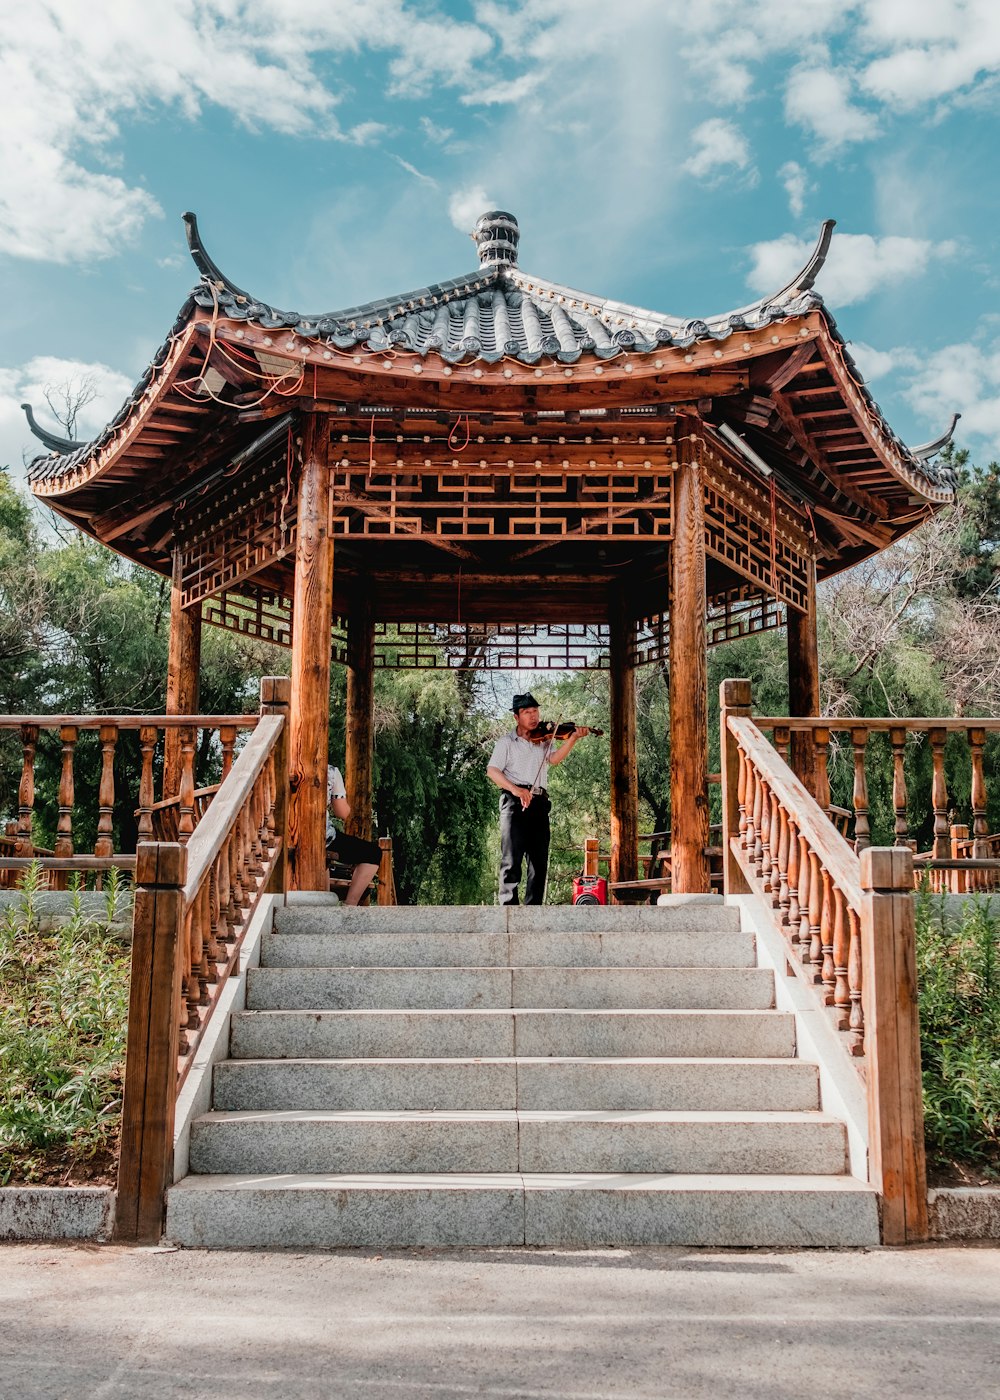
(501, 314)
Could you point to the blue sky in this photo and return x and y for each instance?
(677, 155)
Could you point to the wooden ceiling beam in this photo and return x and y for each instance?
(815, 453)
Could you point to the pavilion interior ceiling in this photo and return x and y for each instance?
(500, 456)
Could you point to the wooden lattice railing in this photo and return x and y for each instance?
(18, 848)
(848, 924)
(959, 857)
(193, 905)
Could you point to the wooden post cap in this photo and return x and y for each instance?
(887, 868)
(275, 690)
(161, 863)
(736, 694)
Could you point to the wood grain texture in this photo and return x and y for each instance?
(688, 675)
(803, 680)
(310, 694)
(359, 726)
(624, 765)
(183, 674)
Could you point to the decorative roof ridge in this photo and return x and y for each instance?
(57, 445)
(927, 450)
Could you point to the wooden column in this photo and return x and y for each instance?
(734, 699)
(803, 682)
(896, 1163)
(688, 674)
(183, 665)
(310, 696)
(624, 768)
(275, 694)
(360, 717)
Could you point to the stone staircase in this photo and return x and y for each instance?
(550, 1076)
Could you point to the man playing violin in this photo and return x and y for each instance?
(519, 767)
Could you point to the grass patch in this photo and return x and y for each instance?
(958, 969)
(63, 1014)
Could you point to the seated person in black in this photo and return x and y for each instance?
(344, 849)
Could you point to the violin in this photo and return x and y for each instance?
(548, 732)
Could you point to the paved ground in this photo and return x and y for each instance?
(92, 1323)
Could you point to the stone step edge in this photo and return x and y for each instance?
(502, 967)
(624, 1061)
(316, 1011)
(524, 1181)
(471, 1116)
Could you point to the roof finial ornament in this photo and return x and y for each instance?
(52, 441)
(496, 235)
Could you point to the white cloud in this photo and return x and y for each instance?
(963, 378)
(936, 48)
(796, 183)
(438, 134)
(412, 170)
(68, 83)
(466, 205)
(28, 383)
(819, 98)
(877, 364)
(858, 264)
(720, 146)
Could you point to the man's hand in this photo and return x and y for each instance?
(523, 794)
(580, 732)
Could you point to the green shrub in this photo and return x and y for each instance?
(958, 967)
(63, 1013)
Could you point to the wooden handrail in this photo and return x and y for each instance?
(206, 842)
(813, 823)
(849, 923)
(131, 721)
(193, 905)
(875, 724)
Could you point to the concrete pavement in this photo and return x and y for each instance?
(87, 1322)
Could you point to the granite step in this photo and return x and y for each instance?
(511, 1141)
(527, 1083)
(614, 948)
(706, 914)
(492, 1210)
(528, 1031)
(458, 988)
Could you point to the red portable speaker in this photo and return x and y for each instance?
(590, 889)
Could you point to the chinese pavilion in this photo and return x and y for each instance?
(510, 473)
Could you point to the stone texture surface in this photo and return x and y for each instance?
(367, 1034)
(378, 988)
(278, 1143)
(672, 988)
(686, 1033)
(366, 1085)
(722, 1211)
(965, 1213)
(386, 949)
(632, 948)
(324, 1212)
(667, 1084)
(56, 1212)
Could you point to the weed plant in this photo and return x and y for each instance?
(958, 968)
(63, 1013)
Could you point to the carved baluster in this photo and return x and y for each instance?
(226, 933)
(764, 863)
(215, 946)
(856, 1022)
(236, 900)
(104, 846)
(26, 792)
(258, 829)
(805, 885)
(191, 983)
(750, 841)
(227, 738)
(741, 791)
(68, 734)
(813, 954)
(794, 911)
(784, 847)
(862, 839)
(821, 750)
(827, 920)
(782, 742)
(185, 796)
(897, 738)
(147, 745)
(199, 952)
(980, 829)
(841, 995)
(209, 948)
(774, 878)
(939, 795)
(959, 839)
(758, 819)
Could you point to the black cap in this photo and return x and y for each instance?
(523, 702)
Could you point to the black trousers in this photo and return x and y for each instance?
(524, 835)
(353, 850)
